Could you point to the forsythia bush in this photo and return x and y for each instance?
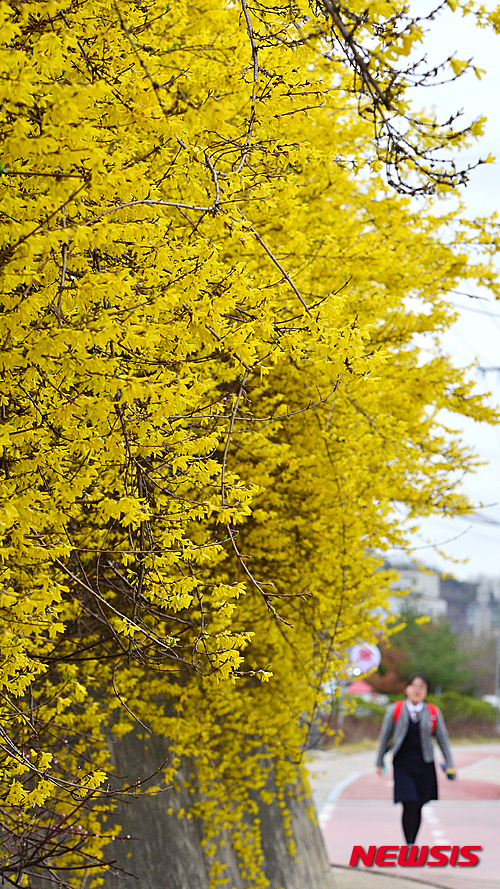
(221, 389)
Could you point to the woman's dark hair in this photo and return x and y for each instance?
(423, 677)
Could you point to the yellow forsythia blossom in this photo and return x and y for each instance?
(213, 403)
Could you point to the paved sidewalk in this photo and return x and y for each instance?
(330, 771)
(352, 878)
(335, 780)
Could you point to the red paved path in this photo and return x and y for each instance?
(467, 813)
(372, 786)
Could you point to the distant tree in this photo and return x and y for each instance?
(389, 678)
(482, 656)
(428, 646)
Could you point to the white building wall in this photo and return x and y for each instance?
(423, 588)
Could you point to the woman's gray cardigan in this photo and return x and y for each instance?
(399, 731)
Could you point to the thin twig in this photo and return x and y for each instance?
(258, 586)
(8, 250)
(255, 58)
(228, 440)
(63, 273)
(215, 178)
(255, 582)
(370, 83)
(368, 419)
(152, 203)
(276, 261)
(56, 175)
(122, 702)
(273, 418)
(156, 87)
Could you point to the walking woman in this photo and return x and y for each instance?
(411, 725)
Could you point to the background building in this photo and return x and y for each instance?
(471, 607)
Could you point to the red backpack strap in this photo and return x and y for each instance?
(398, 706)
(433, 713)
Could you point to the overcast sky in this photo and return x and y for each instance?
(476, 335)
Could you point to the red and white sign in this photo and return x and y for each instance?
(365, 657)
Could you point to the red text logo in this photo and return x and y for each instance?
(415, 856)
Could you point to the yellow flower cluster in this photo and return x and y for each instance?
(212, 400)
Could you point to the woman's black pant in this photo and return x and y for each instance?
(412, 813)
